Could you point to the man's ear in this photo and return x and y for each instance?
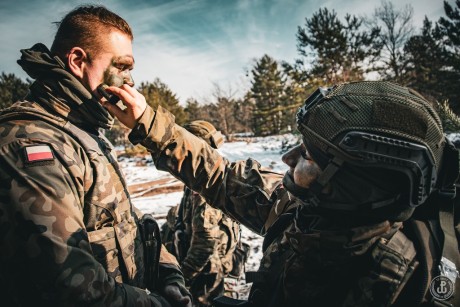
(76, 60)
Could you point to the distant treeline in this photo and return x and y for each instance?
(382, 46)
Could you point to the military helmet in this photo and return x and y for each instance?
(372, 125)
(206, 131)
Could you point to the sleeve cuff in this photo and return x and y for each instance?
(143, 126)
(171, 275)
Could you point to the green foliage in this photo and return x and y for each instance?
(12, 89)
(450, 120)
(270, 100)
(336, 50)
(450, 27)
(431, 69)
(228, 114)
(451, 24)
(243, 113)
(194, 111)
(158, 93)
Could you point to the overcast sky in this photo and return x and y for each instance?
(191, 45)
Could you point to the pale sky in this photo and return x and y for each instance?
(191, 45)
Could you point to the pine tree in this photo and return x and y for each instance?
(450, 120)
(433, 66)
(336, 51)
(158, 93)
(195, 111)
(243, 112)
(450, 27)
(268, 93)
(298, 88)
(12, 89)
(427, 60)
(451, 24)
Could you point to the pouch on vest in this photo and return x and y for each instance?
(151, 239)
(104, 247)
(392, 263)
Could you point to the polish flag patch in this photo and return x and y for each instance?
(38, 153)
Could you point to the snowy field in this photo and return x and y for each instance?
(265, 150)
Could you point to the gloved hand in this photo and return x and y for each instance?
(177, 295)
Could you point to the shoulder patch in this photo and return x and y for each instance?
(38, 155)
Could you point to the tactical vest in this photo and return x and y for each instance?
(109, 219)
(391, 262)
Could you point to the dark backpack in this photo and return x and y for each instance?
(434, 229)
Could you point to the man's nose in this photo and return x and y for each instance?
(290, 158)
(128, 79)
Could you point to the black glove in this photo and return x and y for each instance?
(177, 295)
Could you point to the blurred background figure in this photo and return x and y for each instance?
(205, 241)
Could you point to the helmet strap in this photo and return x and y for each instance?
(329, 171)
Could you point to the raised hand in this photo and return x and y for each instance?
(133, 100)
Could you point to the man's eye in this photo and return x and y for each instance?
(121, 67)
(304, 155)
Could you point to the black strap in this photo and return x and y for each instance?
(450, 246)
(448, 198)
(180, 240)
(152, 250)
(447, 194)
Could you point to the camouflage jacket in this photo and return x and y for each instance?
(69, 235)
(212, 237)
(309, 259)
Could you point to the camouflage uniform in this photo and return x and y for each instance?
(211, 237)
(167, 230)
(309, 258)
(69, 235)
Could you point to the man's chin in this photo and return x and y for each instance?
(296, 190)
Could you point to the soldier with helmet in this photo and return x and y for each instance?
(205, 239)
(363, 217)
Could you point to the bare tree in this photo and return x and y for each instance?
(395, 30)
(222, 110)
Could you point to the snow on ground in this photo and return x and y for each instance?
(266, 150)
(454, 138)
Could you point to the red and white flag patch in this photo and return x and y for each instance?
(38, 153)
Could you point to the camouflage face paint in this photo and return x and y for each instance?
(119, 72)
(112, 79)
